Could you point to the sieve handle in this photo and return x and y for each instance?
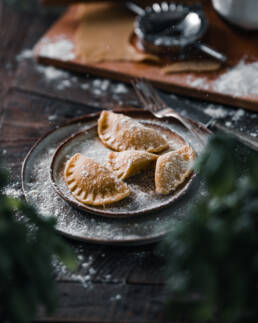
(211, 52)
(135, 8)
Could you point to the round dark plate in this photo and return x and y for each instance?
(84, 226)
(142, 198)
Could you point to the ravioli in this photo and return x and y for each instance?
(128, 163)
(173, 168)
(120, 133)
(91, 183)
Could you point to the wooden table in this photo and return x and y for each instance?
(120, 284)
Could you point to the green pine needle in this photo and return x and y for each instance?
(27, 248)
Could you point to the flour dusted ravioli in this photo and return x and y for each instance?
(129, 162)
(91, 183)
(120, 133)
(173, 168)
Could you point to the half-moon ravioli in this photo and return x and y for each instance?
(120, 132)
(91, 183)
(129, 162)
(173, 168)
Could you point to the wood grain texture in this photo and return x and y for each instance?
(108, 303)
(10, 21)
(139, 266)
(28, 117)
(235, 43)
(81, 90)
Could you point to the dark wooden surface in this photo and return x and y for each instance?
(111, 284)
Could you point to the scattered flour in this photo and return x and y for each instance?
(63, 48)
(52, 117)
(100, 85)
(60, 48)
(64, 84)
(173, 96)
(80, 257)
(86, 275)
(216, 112)
(62, 79)
(228, 124)
(117, 297)
(51, 73)
(107, 277)
(12, 191)
(120, 88)
(104, 85)
(199, 82)
(96, 91)
(84, 280)
(92, 271)
(241, 80)
(86, 271)
(96, 83)
(25, 54)
(238, 115)
(85, 86)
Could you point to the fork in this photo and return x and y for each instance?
(153, 103)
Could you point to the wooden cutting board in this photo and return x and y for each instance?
(235, 43)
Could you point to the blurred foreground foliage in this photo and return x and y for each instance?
(213, 254)
(28, 243)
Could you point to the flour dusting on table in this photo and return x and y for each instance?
(216, 112)
(51, 73)
(13, 190)
(25, 54)
(238, 115)
(59, 48)
(200, 82)
(241, 80)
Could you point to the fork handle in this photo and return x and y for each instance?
(168, 113)
(211, 52)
